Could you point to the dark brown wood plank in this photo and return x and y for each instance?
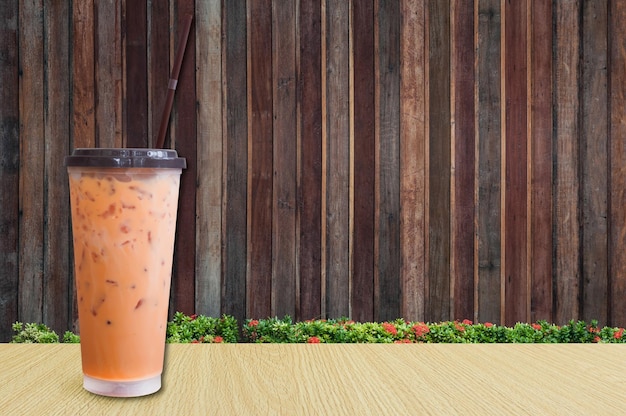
(413, 158)
(594, 160)
(9, 168)
(235, 119)
(337, 159)
(516, 154)
(108, 69)
(159, 66)
(362, 296)
(209, 158)
(489, 161)
(183, 278)
(32, 153)
(57, 308)
(136, 91)
(310, 182)
(438, 305)
(617, 149)
(285, 158)
(260, 159)
(541, 161)
(567, 185)
(388, 145)
(83, 77)
(464, 161)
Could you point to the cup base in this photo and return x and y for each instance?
(134, 388)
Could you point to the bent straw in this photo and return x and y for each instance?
(171, 88)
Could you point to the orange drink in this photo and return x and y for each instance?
(123, 204)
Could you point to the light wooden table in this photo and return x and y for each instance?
(340, 379)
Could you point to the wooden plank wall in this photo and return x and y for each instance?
(376, 159)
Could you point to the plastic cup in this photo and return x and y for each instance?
(123, 204)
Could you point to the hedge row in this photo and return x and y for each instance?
(203, 329)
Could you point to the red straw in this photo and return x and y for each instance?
(171, 88)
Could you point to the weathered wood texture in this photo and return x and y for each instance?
(375, 159)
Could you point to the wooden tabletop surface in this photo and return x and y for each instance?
(338, 379)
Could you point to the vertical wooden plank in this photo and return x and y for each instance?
(284, 158)
(108, 69)
(57, 309)
(464, 160)
(515, 209)
(412, 158)
(235, 122)
(9, 168)
(617, 190)
(136, 74)
(541, 161)
(183, 278)
(310, 176)
(567, 225)
(388, 149)
(489, 158)
(83, 78)
(32, 151)
(209, 158)
(260, 159)
(337, 158)
(83, 92)
(158, 58)
(594, 161)
(362, 294)
(438, 306)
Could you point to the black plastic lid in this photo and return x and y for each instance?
(126, 158)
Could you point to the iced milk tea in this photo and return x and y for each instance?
(123, 224)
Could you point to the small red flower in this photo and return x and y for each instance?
(313, 340)
(195, 341)
(536, 327)
(390, 328)
(218, 339)
(488, 324)
(402, 341)
(619, 333)
(253, 322)
(467, 322)
(420, 329)
(596, 339)
(193, 317)
(459, 327)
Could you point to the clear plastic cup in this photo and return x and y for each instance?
(124, 205)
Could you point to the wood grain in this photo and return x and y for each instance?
(310, 165)
(9, 168)
(32, 146)
(184, 121)
(567, 186)
(388, 148)
(284, 158)
(337, 135)
(413, 158)
(617, 149)
(516, 163)
(108, 73)
(235, 174)
(362, 294)
(210, 154)
(158, 72)
(541, 120)
(594, 162)
(464, 148)
(260, 157)
(136, 65)
(438, 302)
(57, 306)
(488, 193)
(340, 379)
